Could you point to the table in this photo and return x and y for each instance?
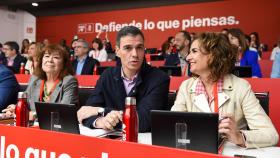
(229, 148)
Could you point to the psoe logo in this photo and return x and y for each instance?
(85, 28)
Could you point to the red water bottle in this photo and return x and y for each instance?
(95, 70)
(71, 57)
(22, 69)
(22, 112)
(130, 120)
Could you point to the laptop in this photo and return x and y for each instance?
(242, 71)
(57, 117)
(171, 70)
(185, 130)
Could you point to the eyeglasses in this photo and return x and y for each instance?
(4, 49)
(79, 47)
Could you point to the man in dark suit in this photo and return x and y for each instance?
(13, 59)
(133, 78)
(83, 64)
(9, 87)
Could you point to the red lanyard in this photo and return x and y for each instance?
(42, 89)
(215, 94)
(184, 70)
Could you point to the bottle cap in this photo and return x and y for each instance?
(22, 95)
(21, 64)
(130, 101)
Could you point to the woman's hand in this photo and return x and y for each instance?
(228, 127)
(10, 110)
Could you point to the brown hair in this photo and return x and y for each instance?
(223, 54)
(38, 49)
(236, 32)
(67, 68)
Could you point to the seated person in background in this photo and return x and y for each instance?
(13, 57)
(99, 53)
(214, 89)
(275, 73)
(133, 78)
(9, 87)
(245, 57)
(34, 51)
(275, 50)
(166, 48)
(182, 43)
(52, 81)
(83, 64)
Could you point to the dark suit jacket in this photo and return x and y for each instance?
(151, 92)
(9, 87)
(17, 61)
(88, 67)
(172, 60)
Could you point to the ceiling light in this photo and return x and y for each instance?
(35, 4)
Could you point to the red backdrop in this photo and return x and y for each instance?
(261, 16)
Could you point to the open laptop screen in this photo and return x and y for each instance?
(185, 130)
(57, 117)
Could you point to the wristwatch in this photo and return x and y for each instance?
(100, 112)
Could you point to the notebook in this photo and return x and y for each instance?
(185, 130)
(57, 117)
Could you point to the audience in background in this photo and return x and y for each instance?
(9, 87)
(2, 54)
(275, 50)
(106, 42)
(24, 47)
(225, 31)
(13, 58)
(83, 64)
(166, 48)
(171, 40)
(134, 78)
(99, 53)
(245, 57)
(182, 43)
(214, 89)
(192, 34)
(275, 73)
(63, 43)
(34, 51)
(73, 45)
(52, 81)
(46, 42)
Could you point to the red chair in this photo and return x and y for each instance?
(108, 63)
(266, 67)
(266, 55)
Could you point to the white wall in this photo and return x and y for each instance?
(14, 26)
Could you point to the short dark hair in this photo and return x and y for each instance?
(13, 45)
(187, 36)
(67, 68)
(128, 31)
(99, 42)
(223, 54)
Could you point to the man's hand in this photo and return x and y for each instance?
(109, 121)
(86, 112)
(10, 110)
(228, 127)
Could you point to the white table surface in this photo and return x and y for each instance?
(229, 148)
